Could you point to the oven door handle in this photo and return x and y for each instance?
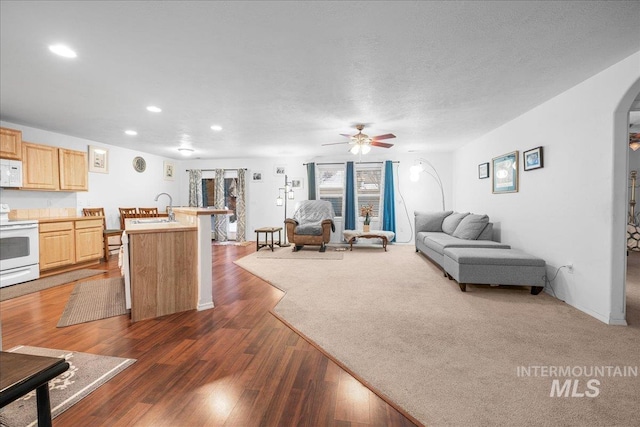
(18, 227)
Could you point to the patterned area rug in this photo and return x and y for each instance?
(48, 282)
(94, 300)
(86, 373)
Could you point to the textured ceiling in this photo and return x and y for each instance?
(282, 78)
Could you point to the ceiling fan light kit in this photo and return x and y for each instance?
(362, 143)
(634, 141)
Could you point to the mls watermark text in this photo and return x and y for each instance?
(576, 381)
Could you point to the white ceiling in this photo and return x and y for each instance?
(282, 78)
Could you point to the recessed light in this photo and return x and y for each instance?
(154, 109)
(131, 132)
(62, 50)
(185, 151)
(217, 128)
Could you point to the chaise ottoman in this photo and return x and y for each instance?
(495, 266)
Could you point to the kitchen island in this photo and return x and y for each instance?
(168, 265)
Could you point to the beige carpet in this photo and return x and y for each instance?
(307, 252)
(20, 289)
(451, 358)
(86, 373)
(94, 300)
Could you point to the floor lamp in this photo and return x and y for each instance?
(285, 193)
(415, 170)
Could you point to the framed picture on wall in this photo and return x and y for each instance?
(297, 183)
(169, 170)
(533, 159)
(505, 173)
(483, 170)
(256, 176)
(280, 170)
(98, 159)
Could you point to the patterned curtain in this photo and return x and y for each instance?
(311, 179)
(389, 215)
(350, 200)
(220, 228)
(195, 188)
(241, 211)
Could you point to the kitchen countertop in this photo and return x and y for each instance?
(61, 219)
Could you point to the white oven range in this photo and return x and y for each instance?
(19, 251)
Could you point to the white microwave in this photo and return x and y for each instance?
(10, 173)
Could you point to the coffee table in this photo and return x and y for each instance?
(351, 235)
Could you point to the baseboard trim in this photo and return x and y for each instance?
(207, 306)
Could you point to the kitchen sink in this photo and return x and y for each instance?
(150, 221)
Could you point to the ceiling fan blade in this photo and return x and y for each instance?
(346, 134)
(385, 136)
(336, 143)
(381, 144)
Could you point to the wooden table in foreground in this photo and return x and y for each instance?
(21, 373)
(351, 235)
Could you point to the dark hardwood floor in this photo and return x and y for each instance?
(234, 365)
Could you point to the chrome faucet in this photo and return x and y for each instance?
(170, 213)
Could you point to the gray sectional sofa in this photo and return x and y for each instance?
(461, 244)
(437, 231)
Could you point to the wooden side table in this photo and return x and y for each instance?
(21, 373)
(267, 231)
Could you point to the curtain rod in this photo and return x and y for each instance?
(213, 170)
(359, 163)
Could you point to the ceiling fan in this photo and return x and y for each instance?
(362, 143)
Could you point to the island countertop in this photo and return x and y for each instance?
(156, 227)
(202, 211)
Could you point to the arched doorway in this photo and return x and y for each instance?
(620, 204)
(632, 285)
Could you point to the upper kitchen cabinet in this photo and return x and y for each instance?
(10, 144)
(53, 169)
(73, 170)
(40, 167)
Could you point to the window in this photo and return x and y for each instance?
(369, 188)
(330, 185)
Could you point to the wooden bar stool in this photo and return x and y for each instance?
(148, 212)
(126, 213)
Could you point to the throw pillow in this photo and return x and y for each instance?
(471, 226)
(451, 222)
(430, 221)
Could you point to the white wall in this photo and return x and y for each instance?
(261, 196)
(121, 187)
(564, 212)
(124, 187)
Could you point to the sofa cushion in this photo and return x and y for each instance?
(471, 226)
(487, 233)
(450, 223)
(430, 221)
